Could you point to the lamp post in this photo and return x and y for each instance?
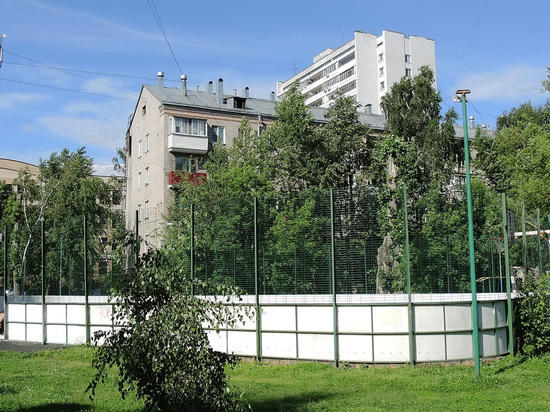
(461, 94)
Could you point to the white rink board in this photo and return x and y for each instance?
(370, 328)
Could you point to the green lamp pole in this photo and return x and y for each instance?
(475, 330)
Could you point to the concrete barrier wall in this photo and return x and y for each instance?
(369, 328)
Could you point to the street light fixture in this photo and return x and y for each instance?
(461, 96)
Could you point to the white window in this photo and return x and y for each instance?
(408, 73)
(190, 126)
(139, 180)
(146, 209)
(218, 134)
(139, 213)
(146, 175)
(140, 148)
(187, 164)
(147, 144)
(407, 58)
(380, 57)
(380, 72)
(382, 85)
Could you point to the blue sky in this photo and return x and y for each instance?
(73, 70)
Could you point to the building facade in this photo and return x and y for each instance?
(365, 68)
(172, 130)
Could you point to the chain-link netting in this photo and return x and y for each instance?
(53, 260)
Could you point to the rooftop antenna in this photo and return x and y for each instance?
(294, 67)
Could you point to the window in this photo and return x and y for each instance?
(407, 58)
(190, 126)
(382, 85)
(408, 73)
(380, 57)
(139, 213)
(146, 175)
(380, 72)
(346, 59)
(139, 180)
(147, 144)
(146, 209)
(140, 148)
(346, 74)
(143, 110)
(218, 135)
(348, 87)
(187, 164)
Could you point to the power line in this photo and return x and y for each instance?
(79, 71)
(159, 23)
(72, 74)
(66, 90)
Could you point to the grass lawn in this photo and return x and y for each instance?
(55, 380)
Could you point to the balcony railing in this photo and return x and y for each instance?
(177, 176)
(183, 143)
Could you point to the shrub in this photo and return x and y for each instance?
(161, 349)
(534, 316)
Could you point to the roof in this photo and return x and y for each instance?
(254, 107)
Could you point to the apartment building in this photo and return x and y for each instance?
(173, 129)
(365, 68)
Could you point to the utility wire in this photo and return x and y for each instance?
(72, 74)
(66, 90)
(159, 23)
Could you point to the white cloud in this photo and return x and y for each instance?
(10, 100)
(511, 84)
(91, 125)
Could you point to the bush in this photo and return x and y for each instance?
(161, 350)
(534, 316)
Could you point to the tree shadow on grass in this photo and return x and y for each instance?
(288, 403)
(509, 362)
(58, 407)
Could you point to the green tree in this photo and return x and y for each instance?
(61, 195)
(515, 159)
(418, 151)
(161, 349)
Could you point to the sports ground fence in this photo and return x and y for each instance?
(314, 244)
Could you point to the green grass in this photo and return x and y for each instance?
(55, 380)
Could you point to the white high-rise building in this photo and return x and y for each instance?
(365, 67)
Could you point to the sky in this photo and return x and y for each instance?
(73, 70)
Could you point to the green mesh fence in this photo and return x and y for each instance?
(294, 232)
(64, 260)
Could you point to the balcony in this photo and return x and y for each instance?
(184, 143)
(176, 176)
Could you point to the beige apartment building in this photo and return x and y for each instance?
(174, 129)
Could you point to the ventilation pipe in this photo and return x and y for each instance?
(246, 92)
(272, 96)
(160, 76)
(472, 118)
(184, 83)
(210, 87)
(219, 90)
(368, 108)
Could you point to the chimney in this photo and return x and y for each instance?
(272, 96)
(184, 83)
(368, 108)
(246, 92)
(160, 76)
(210, 87)
(234, 92)
(471, 118)
(219, 90)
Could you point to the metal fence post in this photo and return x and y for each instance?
(539, 241)
(6, 240)
(333, 270)
(408, 266)
(509, 318)
(257, 285)
(86, 292)
(192, 257)
(524, 240)
(43, 281)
